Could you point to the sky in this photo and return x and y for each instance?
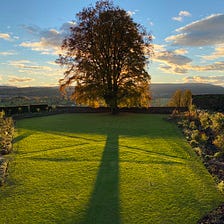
(188, 39)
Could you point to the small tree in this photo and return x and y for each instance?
(186, 98)
(106, 56)
(175, 100)
(181, 99)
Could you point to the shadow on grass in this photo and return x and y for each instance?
(103, 206)
(62, 148)
(21, 137)
(104, 203)
(154, 153)
(60, 159)
(75, 137)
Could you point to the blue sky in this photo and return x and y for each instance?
(188, 39)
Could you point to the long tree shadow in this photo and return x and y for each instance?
(103, 206)
(22, 136)
(104, 203)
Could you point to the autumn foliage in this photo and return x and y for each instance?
(106, 58)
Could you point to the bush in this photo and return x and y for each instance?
(198, 151)
(6, 134)
(3, 171)
(205, 132)
(195, 135)
(184, 123)
(192, 125)
(219, 142)
(203, 138)
(193, 143)
(221, 186)
(219, 155)
(217, 123)
(205, 120)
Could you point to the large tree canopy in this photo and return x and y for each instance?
(106, 56)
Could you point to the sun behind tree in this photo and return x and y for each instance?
(106, 57)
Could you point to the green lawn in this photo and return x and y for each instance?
(99, 168)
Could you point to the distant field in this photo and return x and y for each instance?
(160, 102)
(99, 168)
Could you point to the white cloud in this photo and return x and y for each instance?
(131, 13)
(171, 58)
(177, 18)
(218, 53)
(17, 79)
(175, 62)
(172, 62)
(180, 51)
(5, 36)
(32, 29)
(52, 63)
(217, 66)
(7, 53)
(43, 45)
(205, 32)
(184, 13)
(216, 80)
(181, 15)
(49, 40)
(18, 63)
(28, 65)
(158, 47)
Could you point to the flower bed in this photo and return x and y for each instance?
(3, 170)
(205, 133)
(6, 137)
(6, 134)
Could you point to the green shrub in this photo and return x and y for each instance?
(193, 143)
(3, 171)
(221, 186)
(203, 138)
(219, 142)
(198, 151)
(192, 125)
(205, 120)
(185, 123)
(6, 134)
(219, 155)
(217, 123)
(195, 135)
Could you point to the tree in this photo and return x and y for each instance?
(181, 99)
(106, 58)
(186, 99)
(175, 100)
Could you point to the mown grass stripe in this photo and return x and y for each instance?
(98, 168)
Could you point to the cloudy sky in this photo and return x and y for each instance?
(188, 38)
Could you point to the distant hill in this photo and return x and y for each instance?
(158, 90)
(167, 90)
(11, 91)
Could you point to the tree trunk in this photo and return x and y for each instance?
(114, 110)
(114, 107)
(111, 101)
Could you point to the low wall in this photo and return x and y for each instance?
(11, 110)
(72, 109)
(150, 110)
